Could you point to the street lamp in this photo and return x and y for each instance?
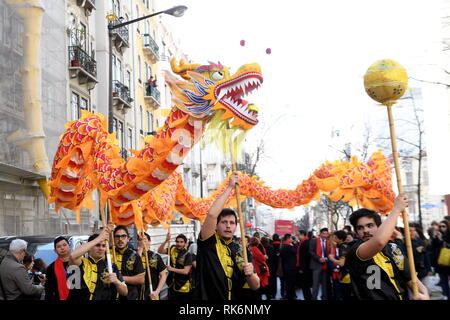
(177, 11)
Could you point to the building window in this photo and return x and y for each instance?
(149, 122)
(74, 105)
(146, 71)
(130, 140)
(83, 36)
(114, 68)
(137, 16)
(146, 27)
(139, 69)
(141, 113)
(118, 128)
(119, 71)
(78, 104)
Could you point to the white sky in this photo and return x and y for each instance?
(314, 77)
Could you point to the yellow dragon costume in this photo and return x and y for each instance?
(147, 188)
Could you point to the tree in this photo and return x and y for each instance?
(411, 142)
(334, 210)
(303, 222)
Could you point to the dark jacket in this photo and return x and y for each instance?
(15, 280)
(288, 256)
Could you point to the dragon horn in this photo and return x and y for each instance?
(182, 67)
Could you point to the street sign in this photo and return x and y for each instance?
(284, 226)
(430, 205)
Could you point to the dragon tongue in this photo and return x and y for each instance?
(243, 102)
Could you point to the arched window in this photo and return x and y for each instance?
(137, 16)
(139, 69)
(141, 113)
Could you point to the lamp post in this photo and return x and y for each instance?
(177, 11)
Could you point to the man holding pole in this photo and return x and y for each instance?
(221, 268)
(97, 282)
(377, 270)
(157, 268)
(128, 262)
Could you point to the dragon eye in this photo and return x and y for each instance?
(217, 75)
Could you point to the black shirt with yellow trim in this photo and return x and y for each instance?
(383, 277)
(129, 264)
(95, 283)
(157, 265)
(179, 259)
(219, 274)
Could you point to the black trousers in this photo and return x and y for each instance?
(290, 278)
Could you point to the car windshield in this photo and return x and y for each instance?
(45, 251)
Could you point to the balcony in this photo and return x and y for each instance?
(120, 36)
(152, 96)
(121, 97)
(82, 66)
(89, 5)
(151, 49)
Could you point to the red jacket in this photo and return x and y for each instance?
(258, 259)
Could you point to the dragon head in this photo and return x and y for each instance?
(211, 89)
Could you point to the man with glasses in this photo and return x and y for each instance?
(15, 284)
(96, 282)
(129, 263)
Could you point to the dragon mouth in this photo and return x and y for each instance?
(230, 94)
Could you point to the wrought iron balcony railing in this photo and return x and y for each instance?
(79, 58)
(122, 91)
(122, 31)
(151, 44)
(151, 91)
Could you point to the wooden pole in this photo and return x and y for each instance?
(108, 256)
(405, 212)
(148, 263)
(168, 248)
(239, 209)
(113, 246)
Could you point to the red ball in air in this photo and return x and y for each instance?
(242, 42)
(248, 225)
(268, 51)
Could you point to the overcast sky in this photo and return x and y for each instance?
(313, 79)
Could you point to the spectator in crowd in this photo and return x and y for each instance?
(442, 240)
(272, 263)
(336, 263)
(288, 256)
(419, 251)
(347, 229)
(276, 243)
(15, 283)
(259, 261)
(303, 261)
(318, 250)
(350, 237)
(55, 286)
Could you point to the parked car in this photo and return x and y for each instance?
(40, 246)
